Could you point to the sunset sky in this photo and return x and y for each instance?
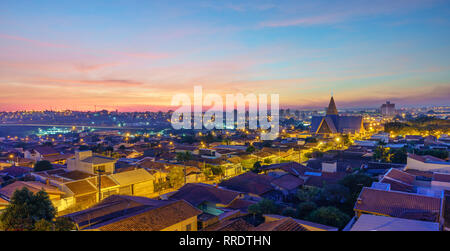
(135, 55)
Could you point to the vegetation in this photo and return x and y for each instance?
(390, 155)
(265, 206)
(336, 199)
(43, 165)
(176, 176)
(421, 125)
(256, 167)
(330, 216)
(250, 149)
(32, 212)
(442, 154)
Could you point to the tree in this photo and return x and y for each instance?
(355, 183)
(398, 156)
(265, 206)
(183, 157)
(381, 153)
(43, 225)
(267, 161)
(289, 211)
(305, 208)
(64, 224)
(250, 149)
(330, 216)
(256, 167)
(306, 194)
(335, 195)
(176, 176)
(43, 165)
(25, 209)
(442, 154)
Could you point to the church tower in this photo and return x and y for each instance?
(332, 107)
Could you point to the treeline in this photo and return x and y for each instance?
(417, 126)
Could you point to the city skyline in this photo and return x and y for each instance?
(134, 56)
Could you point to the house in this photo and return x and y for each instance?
(310, 226)
(234, 224)
(40, 152)
(208, 198)
(292, 168)
(288, 184)
(55, 195)
(398, 204)
(80, 193)
(283, 224)
(440, 181)
(427, 163)
(399, 180)
(333, 123)
(255, 185)
(132, 213)
(86, 162)
(137, 182)
(60, 159)
(16, 171)
(368, 222)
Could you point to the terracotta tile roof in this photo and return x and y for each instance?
(398, 185)
(426, 174)
(249, 183)
(132, 177)
(81, 187)
(285, 224)
(441, 177)
(106, 182)
(58, 157)
(241, 204)
(130, 213)
(154, 219)
(238, 224)
(311, 226)
(96, 160)
(293, 168)
(400, 176)
(45, 150)
(399, 180)
(16, 171)
(288, 182)
(33, 186)
(426, 158)
(197, 193)
(75, 175)
(399, 204)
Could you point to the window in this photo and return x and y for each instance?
(188, 227)
(100, 168)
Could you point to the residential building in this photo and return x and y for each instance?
(132, 213)
(86, 162)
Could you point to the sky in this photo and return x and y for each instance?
(136, 55)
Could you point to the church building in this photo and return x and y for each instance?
(332, 122)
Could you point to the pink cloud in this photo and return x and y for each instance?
(34, 42)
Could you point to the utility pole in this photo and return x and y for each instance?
(99, 182)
